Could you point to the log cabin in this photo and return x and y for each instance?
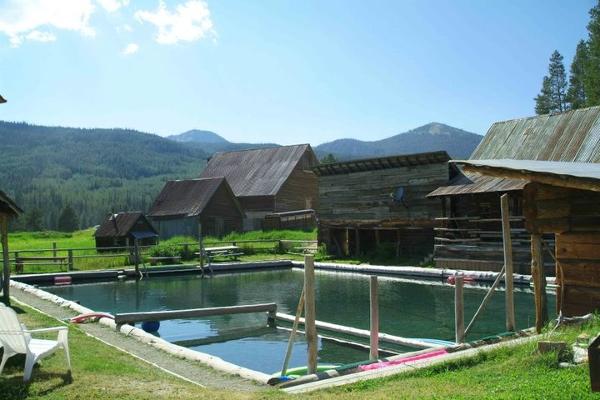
(468, 234)
(562, 199)
(123, 229)
(269, 180)
(8, 210)
(366, 205)
(184, 204)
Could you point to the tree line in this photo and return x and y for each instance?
(582, 88)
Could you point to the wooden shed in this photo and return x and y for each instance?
(8, 210)
(269, 180)
(366, 204)
(468, 235)
(183, 204)
(123, 229)
(562, 199)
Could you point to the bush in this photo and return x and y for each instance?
(167, 250)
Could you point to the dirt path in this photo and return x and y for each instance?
(193, 371)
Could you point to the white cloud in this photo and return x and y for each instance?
(113, 5)
(20, 19)
(39, 36)
(189, 22)
(124, 28)
(131, 48)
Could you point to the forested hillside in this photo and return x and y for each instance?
(96, 171)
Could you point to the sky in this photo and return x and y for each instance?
(283, 71)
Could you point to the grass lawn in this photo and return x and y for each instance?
(99, 371)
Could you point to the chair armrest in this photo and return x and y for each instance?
(42, 330)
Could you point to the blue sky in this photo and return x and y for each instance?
(280, 71)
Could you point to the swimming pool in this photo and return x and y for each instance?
(407, 308)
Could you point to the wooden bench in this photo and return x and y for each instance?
(21, 261)
(156, 260)
(222, 251)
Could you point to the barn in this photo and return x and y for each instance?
(269, 180)
(123, 229)
(8, 210)
(184, 204)
(468, 234)
(380, 204)
(562, 199)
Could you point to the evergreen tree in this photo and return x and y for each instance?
(591, 76)
(33, 220)
(552, 97)
(576, 93)
(68, 220)
(329, 159)
(542, 100)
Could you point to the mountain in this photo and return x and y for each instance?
(211, 142)
(431, 137)
(96, 171)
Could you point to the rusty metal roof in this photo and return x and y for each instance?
(370, 164)
(119, 225)
(185, 198)
(259, 172)
(8, 206)
(572, 136)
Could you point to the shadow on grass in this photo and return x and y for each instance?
(13, 388)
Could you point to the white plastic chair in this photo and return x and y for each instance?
(16, 339)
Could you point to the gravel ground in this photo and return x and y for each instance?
(195, 372)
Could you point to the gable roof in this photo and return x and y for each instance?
(259, 172)
(572, 136)
(370, 164)
(186, 198)
(8, 206)
(120, 224)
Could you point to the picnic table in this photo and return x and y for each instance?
(222, 251)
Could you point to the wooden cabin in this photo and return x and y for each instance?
(123, 229)
(561, 199)
(182, 205)
(269, 180)
(294, 220)
(8, 210)
(468, 234)
(366, 204)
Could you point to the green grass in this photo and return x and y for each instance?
(102, 372)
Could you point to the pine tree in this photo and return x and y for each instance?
(591, 78)
(552, 97)
(329, 159)
(68, 220)
(542, 100)
(576, 93)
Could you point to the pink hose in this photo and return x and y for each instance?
(405, 360)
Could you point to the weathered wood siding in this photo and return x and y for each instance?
(176, 226)
(366, 196)
(222, 215)
(299, 192)
(578, 272)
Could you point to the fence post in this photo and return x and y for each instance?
(54, 250)
(200, 245)
(508, 263)
(279, 246)
(70, 260)
(459, 309)
(539, 282)
(374, 341)
(310, 313)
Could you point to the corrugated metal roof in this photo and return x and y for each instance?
(570, 136)
(8, 206)
(370, 164)
(259, 172)
(118, 225)
(186, 198)
(470, 183)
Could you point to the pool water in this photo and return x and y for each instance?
(406, 308)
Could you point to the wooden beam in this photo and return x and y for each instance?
(310, 313)
(5, 260)
(459, 309)
(357, 241)
(374, 339)
(508, 263)
(126, 318)
(539, 282)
